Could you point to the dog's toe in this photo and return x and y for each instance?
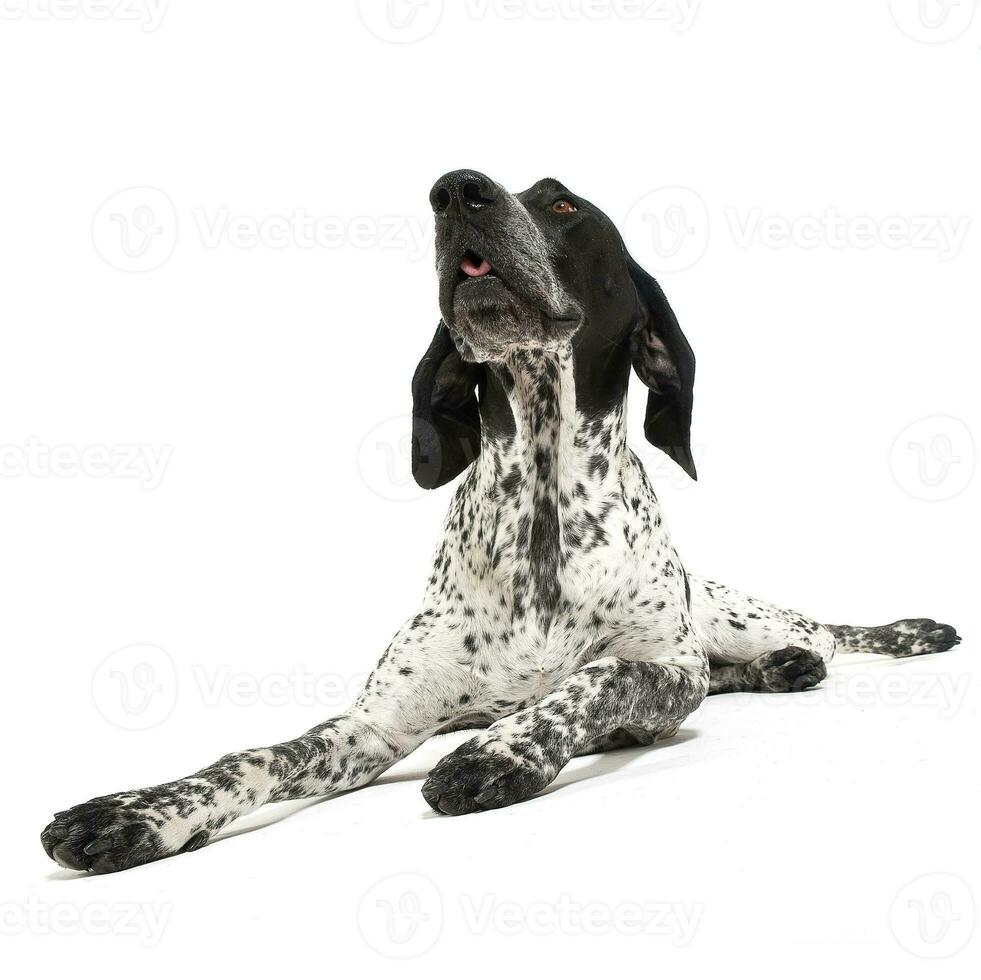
(51, 836)
(68, 857)
(445, 798)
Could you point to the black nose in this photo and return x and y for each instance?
(463, 190)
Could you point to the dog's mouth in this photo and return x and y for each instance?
(480, 289)
(474, 268)
(492, 314)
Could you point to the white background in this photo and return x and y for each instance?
(815, 161)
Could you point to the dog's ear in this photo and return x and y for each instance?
(445, 418)
(664, 361)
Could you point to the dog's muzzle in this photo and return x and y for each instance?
(497, 287)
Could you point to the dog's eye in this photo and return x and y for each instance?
(564, 207)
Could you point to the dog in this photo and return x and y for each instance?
(558, 618)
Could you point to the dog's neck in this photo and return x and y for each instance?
(549, 432)
(552, 472)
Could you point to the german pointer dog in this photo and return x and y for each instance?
(558, 616)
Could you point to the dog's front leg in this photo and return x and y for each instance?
(414, 690)
(521, 754)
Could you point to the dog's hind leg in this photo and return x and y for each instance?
(414, 691)
(625, 738)
(621, 738)
(904, 638)
(736, 628)
(789, 669)
(755, 646)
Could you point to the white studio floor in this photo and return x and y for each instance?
(773, 829)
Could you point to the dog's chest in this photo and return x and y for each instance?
(554, 542)
(541, 563)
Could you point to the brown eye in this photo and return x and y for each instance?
(563, 207)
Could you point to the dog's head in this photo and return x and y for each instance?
(540, 270)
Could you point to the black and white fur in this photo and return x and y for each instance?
(558, 616)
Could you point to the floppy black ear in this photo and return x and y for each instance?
(445, 418)
(664, 361)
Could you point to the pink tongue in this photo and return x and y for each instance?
(471, 268)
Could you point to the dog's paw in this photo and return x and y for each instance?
(112, 833)
(790, 669)
(904, 638)
(481, 777)
(914, 637)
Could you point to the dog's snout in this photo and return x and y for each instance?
(463, 191)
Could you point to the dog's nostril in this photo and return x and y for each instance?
(474, 194)
(441, 199)
(462, 190)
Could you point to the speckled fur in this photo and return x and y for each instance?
(904, 638)
(558, 616)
